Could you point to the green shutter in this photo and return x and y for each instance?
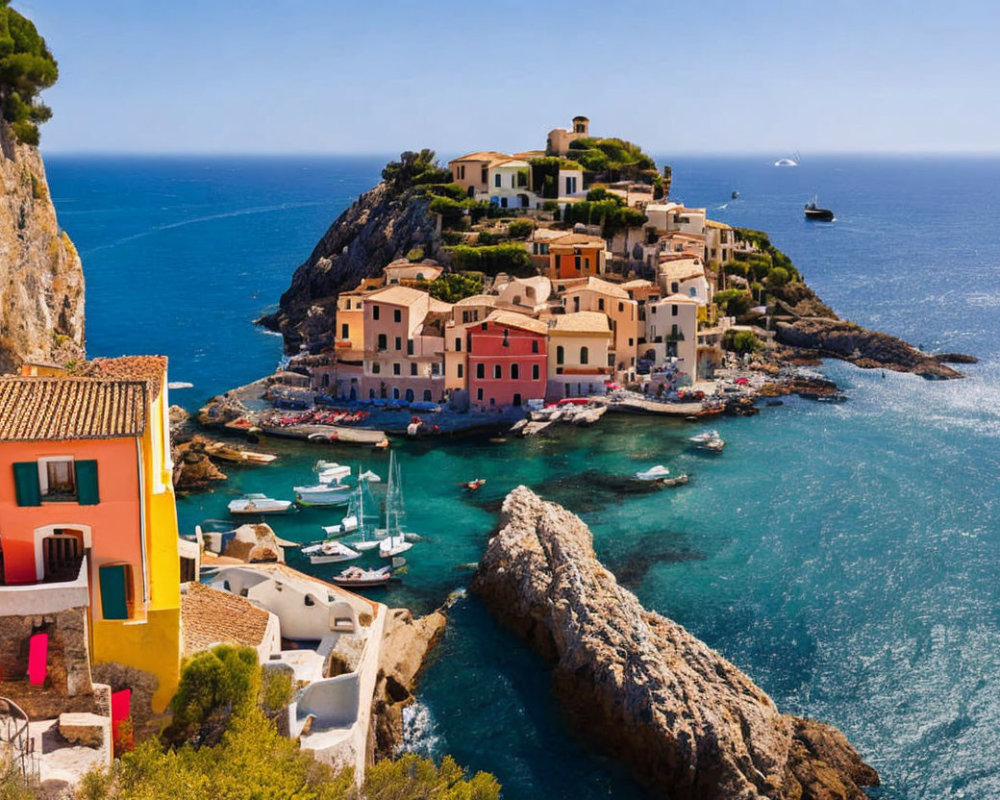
(26, 486)
(86, 483)
(113, 591)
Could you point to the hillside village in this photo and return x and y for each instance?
(635, 292)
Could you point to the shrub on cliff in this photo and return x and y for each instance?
(733, 302)
(26, 67)
(610, 213)
(742, 342)
(414, 169)
(510, 258)
(520, 228)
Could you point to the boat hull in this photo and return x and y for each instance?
(819, 215)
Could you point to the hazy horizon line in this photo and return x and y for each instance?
(392, 154)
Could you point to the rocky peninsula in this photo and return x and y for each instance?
(688, 722)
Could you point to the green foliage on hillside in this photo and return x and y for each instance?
(26, 68)
(610, 213)
(453, 286)
(414, 169)
(615, 159)
(733, 302)
(742, 341)
(513, 259)
(768, 256)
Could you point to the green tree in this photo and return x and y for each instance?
(777, 277)
(454, 286)
(414, 169)
(733, 302)
(26, 68)
(743, 341)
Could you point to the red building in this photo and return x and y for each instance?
(507, 360)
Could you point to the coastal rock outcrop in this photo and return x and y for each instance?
(41, 278)
(803, 321)
(406, 642)
(380, 226)
(193, 469)
(689, 723)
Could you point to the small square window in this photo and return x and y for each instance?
(57, 478)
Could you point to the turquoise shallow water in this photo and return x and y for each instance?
(844, 555)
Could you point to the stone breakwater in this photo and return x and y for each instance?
(689, 723)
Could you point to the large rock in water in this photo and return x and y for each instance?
(689, 723)
(41, 278)
(379, 227)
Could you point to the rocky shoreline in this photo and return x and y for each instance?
(688, 722)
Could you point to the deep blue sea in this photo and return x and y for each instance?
(845, 556)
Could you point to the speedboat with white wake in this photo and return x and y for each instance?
(708, 440)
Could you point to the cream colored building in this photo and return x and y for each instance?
(672, 332)
(610, 299)
(579, 346)
(720, 243)
(471, 171)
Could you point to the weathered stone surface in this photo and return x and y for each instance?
(41, 278)
(255, 543)
(87, 730)
(143, 685)
(194, 471)
(405, 645)
(688, 722)
(378, 228)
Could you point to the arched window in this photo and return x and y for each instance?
(560, 355)
(584, 355)
(515, 373)
(693, 291)
(409, 395)
(427, 395)
(480, 370)
(497, 372)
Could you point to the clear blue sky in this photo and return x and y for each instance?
(326, 76)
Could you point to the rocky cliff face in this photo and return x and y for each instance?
(689, 723)
(41, 279)
(802, 320)
(376, 229)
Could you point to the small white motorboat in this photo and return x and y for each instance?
(333, 474)
(393, 546)
(360, 578)
(369, 476)
(708, 440)
(258, 504)
(329, 552)
(323, 495)
(657, 473)
(348, 524)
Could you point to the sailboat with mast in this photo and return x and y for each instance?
(363, 540)
(392, 539)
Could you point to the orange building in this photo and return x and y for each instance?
(577, 255)
(86, 500)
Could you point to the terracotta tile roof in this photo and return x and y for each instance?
(514, 320)
(209, 616)
(638, 283)
(711, 223)
(598, 285)
(151, 369)
(481, 155)
(581, 322)
(397, 295)
(35, 409)
(577, 240)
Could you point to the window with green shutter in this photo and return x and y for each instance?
(26, 485)
(116, 590)
(86, 483)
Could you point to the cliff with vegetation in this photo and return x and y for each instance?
(388, 222)
(690, 724)
(41, 279)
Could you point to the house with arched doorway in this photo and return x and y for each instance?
(579, 345)
(87, 517)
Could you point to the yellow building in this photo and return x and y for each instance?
(87, 504)
(579, 363)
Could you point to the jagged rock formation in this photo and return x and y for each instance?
(803, 321)
(405, 645)
(689, 723)
(41, 278)
(193, 469)
(378, 227)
